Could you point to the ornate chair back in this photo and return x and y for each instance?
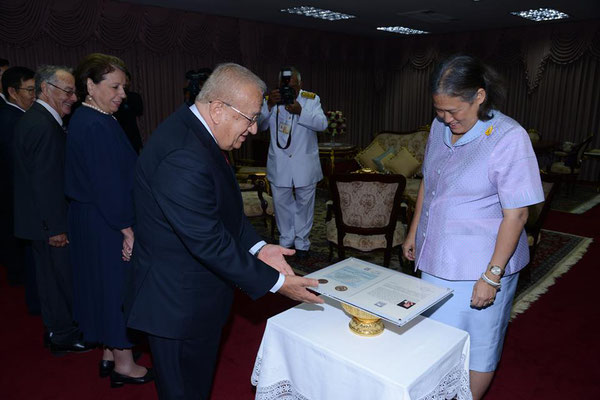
(366, 209)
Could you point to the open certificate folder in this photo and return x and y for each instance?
(388, 294)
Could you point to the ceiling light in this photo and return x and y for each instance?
(541, 14)
(317, 13)
(401, 29)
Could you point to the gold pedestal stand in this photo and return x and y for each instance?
(362, 322)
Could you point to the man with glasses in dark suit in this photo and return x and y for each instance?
(193, 243)
(18, 88)
(40, 203)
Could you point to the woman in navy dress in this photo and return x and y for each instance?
(99, 171)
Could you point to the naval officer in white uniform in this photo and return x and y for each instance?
(293, 166)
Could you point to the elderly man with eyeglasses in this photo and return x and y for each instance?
(40, 206)
(193, 243)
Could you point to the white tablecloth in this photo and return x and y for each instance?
(309, 353)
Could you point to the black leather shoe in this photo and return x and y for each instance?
(118, 380)
(78, 346)
(46, 339)
(105, 368)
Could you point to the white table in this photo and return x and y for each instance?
(309, 353)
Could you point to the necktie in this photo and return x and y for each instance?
(226, 158)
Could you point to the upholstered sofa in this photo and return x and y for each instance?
(398, 153)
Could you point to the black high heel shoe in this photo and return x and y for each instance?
(118, 380)
(105, 368)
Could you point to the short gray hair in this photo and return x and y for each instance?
(225, 81)
(47, 73)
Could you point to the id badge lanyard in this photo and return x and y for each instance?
(289, 139)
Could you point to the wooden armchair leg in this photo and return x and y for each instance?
(341, 252)
(387, 256)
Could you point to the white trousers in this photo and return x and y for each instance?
(294, 212)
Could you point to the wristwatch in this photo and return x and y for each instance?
(496, 270)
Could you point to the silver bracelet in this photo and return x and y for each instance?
(490, 282)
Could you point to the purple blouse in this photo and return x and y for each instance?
(466, 186)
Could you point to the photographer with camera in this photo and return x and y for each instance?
(294, 117)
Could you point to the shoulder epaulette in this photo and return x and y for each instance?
(308, 95)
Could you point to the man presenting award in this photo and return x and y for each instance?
(294, 116)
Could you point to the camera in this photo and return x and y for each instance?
(288, 93)
(195, 80)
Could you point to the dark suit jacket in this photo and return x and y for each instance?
(40, 204)
(192, 237)
(2, 102)
(9, 116)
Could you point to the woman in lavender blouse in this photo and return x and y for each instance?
(479, 175)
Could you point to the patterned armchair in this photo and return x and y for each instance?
(366, 209)
(257, 202)
(569, 164)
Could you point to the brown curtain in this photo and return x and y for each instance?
(551, 70)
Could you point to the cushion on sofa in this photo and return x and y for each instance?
(402, 163)
(365, 157)
(386, 155)
(414, 142)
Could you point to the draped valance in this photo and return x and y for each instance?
(121, 26)
(560, 43)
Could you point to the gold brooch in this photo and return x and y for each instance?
(489, 130)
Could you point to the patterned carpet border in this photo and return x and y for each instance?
(585, 206)
(576, 199)
(557, 253)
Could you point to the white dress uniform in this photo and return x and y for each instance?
(296, 167)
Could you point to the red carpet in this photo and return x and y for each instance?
(552, 351)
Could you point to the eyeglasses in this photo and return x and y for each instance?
(251, 120)
(68, 92)
(29, 89)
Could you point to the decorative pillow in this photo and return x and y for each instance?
(386, 155)
(402, 163)
(365, 157)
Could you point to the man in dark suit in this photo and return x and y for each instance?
(193, 242)
(15, 254)
(40, 203)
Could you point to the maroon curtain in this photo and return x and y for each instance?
(551, 70)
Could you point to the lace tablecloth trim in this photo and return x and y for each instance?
(282, 390)
(454, 385)
(256, 371)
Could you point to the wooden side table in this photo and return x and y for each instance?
(333, 154)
